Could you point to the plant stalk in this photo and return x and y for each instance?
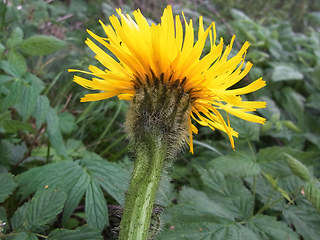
(136, 218)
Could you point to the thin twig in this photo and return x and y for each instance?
(66, 104)
(41, 130)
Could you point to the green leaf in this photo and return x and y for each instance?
(13, 126)
(275, 48)
(199, 217)
(18, 218)
(96, 207)
(271, 110)
(206, 231)
(54, 132)
(81, 233)
(247, 130)
(34, 80)
(41, 45)
(293, 102)
(4, 79)
(239, 15)
(306, 222)
(267, 227)
(67, 122)
(25, 236)
(17, 60)
(75, 195)
(51, 175)
(74, 179)
(298, 168)
(266, 193)
(15, 94)
(7, 186)
(15, 38)
(283, 72)
(201, 202)
(10, 69)
(313, 101)
(238, 164)
(111, 177)
(312, 193)
(44, 207)
(11, 153)
(272, 161)
(28, 101)
(229, 192)
(41, 110)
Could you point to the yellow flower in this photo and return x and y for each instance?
(168, 52)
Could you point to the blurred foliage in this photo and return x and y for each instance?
(64, 165)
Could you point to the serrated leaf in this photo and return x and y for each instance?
(272, 161)
(15, 94)
(230, 192)
(5, 78)
(25, 236)
(111, 177)
(41, 110)
(266, 193)
(75, 195)
(49, 175)
(306, 222)
(271, 110)
(34, 80)
(285, 73)
(28, 101)
(13, 126)
(275, 48)
(196, 216)
(54, 132)
(41, 45)
(96, 207)
(267, 227)
(293, 102)
(82, 233)
(298, 168)
(17, 60)
(67, 122)
(312, 193)
(72, 178)
(7, 186)
(11, 153)
(205, 231)
(10, 69)
(238, 164)
(201, 202)
(18, 218)
(247, 130)
(15, 38)
(44, 207)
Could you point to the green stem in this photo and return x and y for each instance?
(142, 190)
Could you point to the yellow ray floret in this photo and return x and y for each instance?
(169, 50)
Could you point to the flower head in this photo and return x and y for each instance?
(166, 56)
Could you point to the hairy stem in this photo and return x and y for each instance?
(142, 190)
